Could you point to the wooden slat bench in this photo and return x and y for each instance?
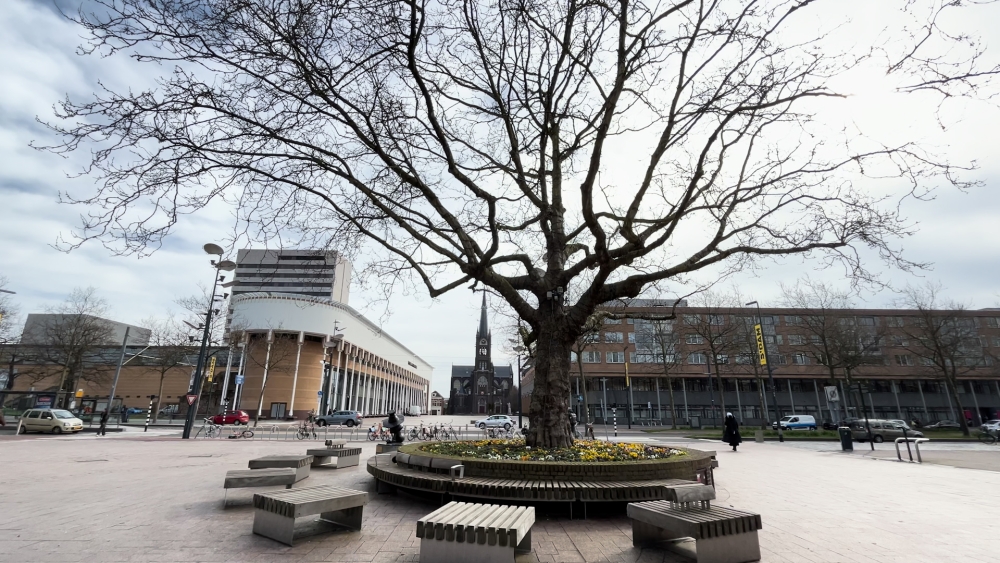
(300, 463)
(241, 478)
(721, 535)
(275, 513)
(459, 532)
(342, 457)
(518, 490)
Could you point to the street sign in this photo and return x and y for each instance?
(191, 399)
(239, 380)
(211, 369)
(79, 393)
(832, 394)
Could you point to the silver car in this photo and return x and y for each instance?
(496, 421)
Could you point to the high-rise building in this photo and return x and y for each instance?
(313, 273)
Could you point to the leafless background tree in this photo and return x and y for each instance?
(274, 359)
(68, 342)
(590, 335)
(835, 337)
(717, 332)
(656, 343)
(945, 341)
(746, 357)
(10, 337)
(171, 349)
(470, 142)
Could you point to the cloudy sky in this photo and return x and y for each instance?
(39, 66)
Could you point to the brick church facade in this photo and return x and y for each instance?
(482, 388)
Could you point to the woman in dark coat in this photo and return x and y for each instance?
(731, 434)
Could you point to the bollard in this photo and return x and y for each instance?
(615, 417)
(149, 413)
(758, 436)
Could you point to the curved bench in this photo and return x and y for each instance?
(529, 490)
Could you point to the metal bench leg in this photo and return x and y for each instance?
(349, 518)
(271, 525)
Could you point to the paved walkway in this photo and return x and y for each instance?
(160, 499)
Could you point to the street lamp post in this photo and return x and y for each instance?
(762, 342)
(520, 399)
(628, 387)
(220, 265)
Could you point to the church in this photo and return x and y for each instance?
(482, 388)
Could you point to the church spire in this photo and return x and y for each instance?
(483, 328)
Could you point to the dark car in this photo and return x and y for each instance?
(827, 425)
(232, 417)
(346, 418)
(944, 424)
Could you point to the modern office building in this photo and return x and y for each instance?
(313, 273)
(709, 359)
(45, 328)
(482, 388)
(301, 353)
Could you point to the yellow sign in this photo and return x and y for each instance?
(211, 369)
(626, 373)
(79, 393)
(760, 344)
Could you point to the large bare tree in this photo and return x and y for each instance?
(529, 147)
(171, 349)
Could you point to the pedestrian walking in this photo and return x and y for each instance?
(124, 416)
(103, 430)
(731, 434)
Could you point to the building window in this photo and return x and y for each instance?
(991, 322)
(613, 337)
(630, 320)
(692, 319)
(482, 351)
(866, 321)
(775, 339)
(482, 365)
(591, 338)
(722, 359)
(697, 358)
(717, 320)
(796, 339)
(792, 320)
(800, 359)
(610, 321)
(591, 357)
(778, 359)
(615, 357)
(631, 338)
(694, 339)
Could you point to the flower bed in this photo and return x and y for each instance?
(581, 451)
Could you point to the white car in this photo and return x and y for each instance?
(992, 425)
(496, 421)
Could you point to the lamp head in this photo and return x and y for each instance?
(751, 303)
(227, 265)
(213, 249)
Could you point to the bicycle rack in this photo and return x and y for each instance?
(916, 446)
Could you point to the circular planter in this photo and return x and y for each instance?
(679, 467)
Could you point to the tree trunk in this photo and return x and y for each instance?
(763, 406)
(549, 412)
(673, 407)
(62, 383)
(952, 382)
(159, 397)
(722, 398)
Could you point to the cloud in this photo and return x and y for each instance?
(40, 67)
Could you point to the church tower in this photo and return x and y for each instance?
(482, 374)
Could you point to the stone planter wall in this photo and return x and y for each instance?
(681, 467)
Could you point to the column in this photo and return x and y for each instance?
(295, 375)
(895, 395)
(975, 401)
(923, 401)
(819, 405)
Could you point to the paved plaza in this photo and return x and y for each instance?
(133, 498)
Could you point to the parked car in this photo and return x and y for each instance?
(135, 410)
(991, 425)
(346, 418)
(55, 421)
(168, 410)
(232, 417)
(882, 430)
(827, 425)
(495, 421)
(796, 422)
(944, 424)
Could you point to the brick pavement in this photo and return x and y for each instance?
(124, 499)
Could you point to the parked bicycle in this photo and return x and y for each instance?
(988, 436)
(241, 433)
(305, 430)
(210, 429)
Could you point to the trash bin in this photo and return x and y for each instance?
(758, 436)
(846, 439)
(695, 422)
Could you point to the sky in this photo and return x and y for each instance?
(958, 232)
